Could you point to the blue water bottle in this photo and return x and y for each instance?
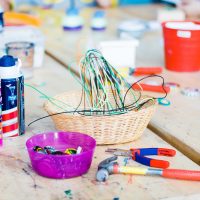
(12, 89)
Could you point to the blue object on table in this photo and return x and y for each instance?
(134, 28)
(72, 21)
(99, 14)
(98, 22)
(129, 2)
(163, 102)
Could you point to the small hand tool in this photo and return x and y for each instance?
(110, 166)
(139, 155)
(142, 71)
(151, 88)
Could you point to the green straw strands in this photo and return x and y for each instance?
(104, 90)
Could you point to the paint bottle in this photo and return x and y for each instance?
(72, 21)
(1, 20)
(98, 22)
(12, 89)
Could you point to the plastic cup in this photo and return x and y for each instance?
(25, 52)
(61, 166)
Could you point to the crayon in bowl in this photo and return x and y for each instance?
(53, 151)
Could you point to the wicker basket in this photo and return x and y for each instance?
(105, 129)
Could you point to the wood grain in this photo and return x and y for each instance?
(178, 124)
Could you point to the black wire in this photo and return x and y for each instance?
(152, 75)
(123, 110)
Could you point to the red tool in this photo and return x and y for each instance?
(140, 71)
(151, 88)
(110, 166)
(139, 155)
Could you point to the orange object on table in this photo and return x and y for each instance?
(139, 71)
(16, 19)
(151, 88)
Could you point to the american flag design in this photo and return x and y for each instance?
(12, 107)
(1, 136)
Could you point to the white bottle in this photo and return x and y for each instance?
(12, 89)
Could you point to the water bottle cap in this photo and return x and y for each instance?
(72, 12)
(7, 61)
(99, 14)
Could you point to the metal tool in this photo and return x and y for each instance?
(110, 166)
(152, 88)
(142, 71)
(139, 155)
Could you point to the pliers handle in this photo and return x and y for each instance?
(151, 88)
(139, 155)
(142, 71)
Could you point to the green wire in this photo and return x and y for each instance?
(48, 97)
(97, 79)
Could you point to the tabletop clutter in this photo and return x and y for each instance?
(107, 110)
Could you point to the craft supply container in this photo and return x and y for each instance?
(61, 166)
(182, 45)
(25, 52)
(112, 129)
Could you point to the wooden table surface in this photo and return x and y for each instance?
(19, 181)
(178, 123)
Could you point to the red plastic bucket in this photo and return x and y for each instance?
(182, 45)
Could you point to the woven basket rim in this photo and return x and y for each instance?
(51, 112)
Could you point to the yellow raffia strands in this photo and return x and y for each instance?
(114, 3)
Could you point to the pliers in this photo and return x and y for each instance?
(139, 155)
(143, 71)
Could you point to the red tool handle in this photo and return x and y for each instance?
(166, 152)
(147, 70)
(163, 164)
(151, 88)
(181, 174)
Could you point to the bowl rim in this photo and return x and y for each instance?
(60, 156)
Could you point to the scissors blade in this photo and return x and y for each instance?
(120, 152)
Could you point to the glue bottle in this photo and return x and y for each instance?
(98, 22)
(12, 89)
(72, 20)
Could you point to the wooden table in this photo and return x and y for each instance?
(18, 180)
(178, 123)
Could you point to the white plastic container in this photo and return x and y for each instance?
(24, 34)
(119, 53)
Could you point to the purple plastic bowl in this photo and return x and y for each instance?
(61, 166)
